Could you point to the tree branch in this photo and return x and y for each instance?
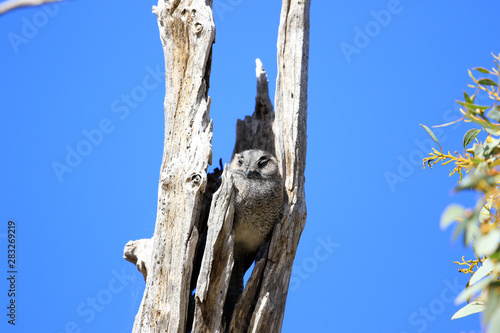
(13, 4)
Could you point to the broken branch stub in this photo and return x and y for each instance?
(256, 131)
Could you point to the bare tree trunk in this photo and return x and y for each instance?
(187, 33)
(185, 190)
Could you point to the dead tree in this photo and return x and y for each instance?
(189, 207)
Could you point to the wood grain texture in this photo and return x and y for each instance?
(261, 307)
(187, 32)
(290, 128)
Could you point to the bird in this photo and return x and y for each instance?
(258, 205)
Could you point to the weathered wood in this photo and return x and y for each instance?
(256, 132)
(217, 261)
(252, 132)
(262, 305)
(246, 304)
(139, 253)
(187, 33)
(290, 130)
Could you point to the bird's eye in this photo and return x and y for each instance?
(263, 162)
(240, 162)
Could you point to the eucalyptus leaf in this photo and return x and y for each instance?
(467, 183)
(478, 150)
(471, 230)
(487, 244)
(495, 256)
(472, 181)
(471, 291)
(471, 308)
(458, 231)
(484, 270)
(451, 214)
(487, 82)
(494, 113)
(470, 136)
(492, 131)
(432, 135)
(473, 107)
(492, 147)
(493, 300)
(484, 215)
(482, 168)
(467, 98)
(482, 70)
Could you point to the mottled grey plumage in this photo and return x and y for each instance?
(257, 208)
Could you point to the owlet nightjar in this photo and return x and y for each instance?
(257, 208)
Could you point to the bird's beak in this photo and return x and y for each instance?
(252, 174)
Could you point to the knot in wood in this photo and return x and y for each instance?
(198, 28)
(197, 180)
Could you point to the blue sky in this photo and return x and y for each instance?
(87, 77)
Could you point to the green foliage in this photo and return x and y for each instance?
(479, 226)
(432, 136)
(470, 136)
